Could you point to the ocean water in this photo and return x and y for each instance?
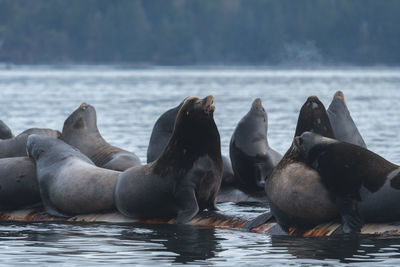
(129, 101)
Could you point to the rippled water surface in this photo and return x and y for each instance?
(128, 102)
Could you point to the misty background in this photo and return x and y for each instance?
(200, 32)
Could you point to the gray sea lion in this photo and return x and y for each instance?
(80, 131)
(296, 195)
(18, 184)
(343, 125)
(16, 147)
(185, 178)
(69, 182)
(252, 158)
(162, 131)
(365, 185)
(5, 131)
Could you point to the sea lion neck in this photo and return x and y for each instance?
(189, 141)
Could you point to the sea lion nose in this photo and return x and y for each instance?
(339, 95)
(83, 106)
(209, 99)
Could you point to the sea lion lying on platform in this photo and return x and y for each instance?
(80, 131)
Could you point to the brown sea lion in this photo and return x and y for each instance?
(162, 131)
(296, 195)
(366, 187)
(185, 178)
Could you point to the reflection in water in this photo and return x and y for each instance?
(189, 243)
(346, 249)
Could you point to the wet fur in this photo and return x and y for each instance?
(184, 179)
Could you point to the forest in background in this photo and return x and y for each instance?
(200, 32)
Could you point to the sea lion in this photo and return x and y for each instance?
(365, 185)
(343, 125)
(296, 195)
(16, 147)
(252, 158)
(18, 184)
(162, 131)
(69, 182)
(5, 131)
(185, 178)
(80, 131)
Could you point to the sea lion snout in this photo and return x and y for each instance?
(340, 96)
(313, 101)
(208, 104)
(257, 104)
(84, 106)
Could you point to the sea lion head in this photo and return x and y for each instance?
(36, 145)
(339, 96)
(308, 141)
(196, 111)
(257, 110)
(195, 132)
(5, 132)
(314, 118)
(82, 119)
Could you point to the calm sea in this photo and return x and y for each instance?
(128, 102)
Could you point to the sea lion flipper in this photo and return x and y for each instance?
(351, 220)
(261, 219)
(188, 207)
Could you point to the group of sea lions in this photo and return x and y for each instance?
(326, 174)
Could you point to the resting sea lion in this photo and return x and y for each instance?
(186, 176)
(18, 184)
(69, 182)
(5, 131)
(343, 125)
(80, 131)
(252, 158)
(16, 147)
(296, 195)
(365, 185)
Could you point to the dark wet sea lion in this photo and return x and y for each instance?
(295, 192)
(187, 175)
(69, 182)
(342, 124)
(16, 147)
(80, 131)
(18, 184)
(161, 133)
(363, 183)
(252, 158)
(5, 131)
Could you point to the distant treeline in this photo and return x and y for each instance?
(179, 32)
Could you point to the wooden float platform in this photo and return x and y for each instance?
(205, 219)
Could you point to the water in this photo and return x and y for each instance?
(128, 102)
